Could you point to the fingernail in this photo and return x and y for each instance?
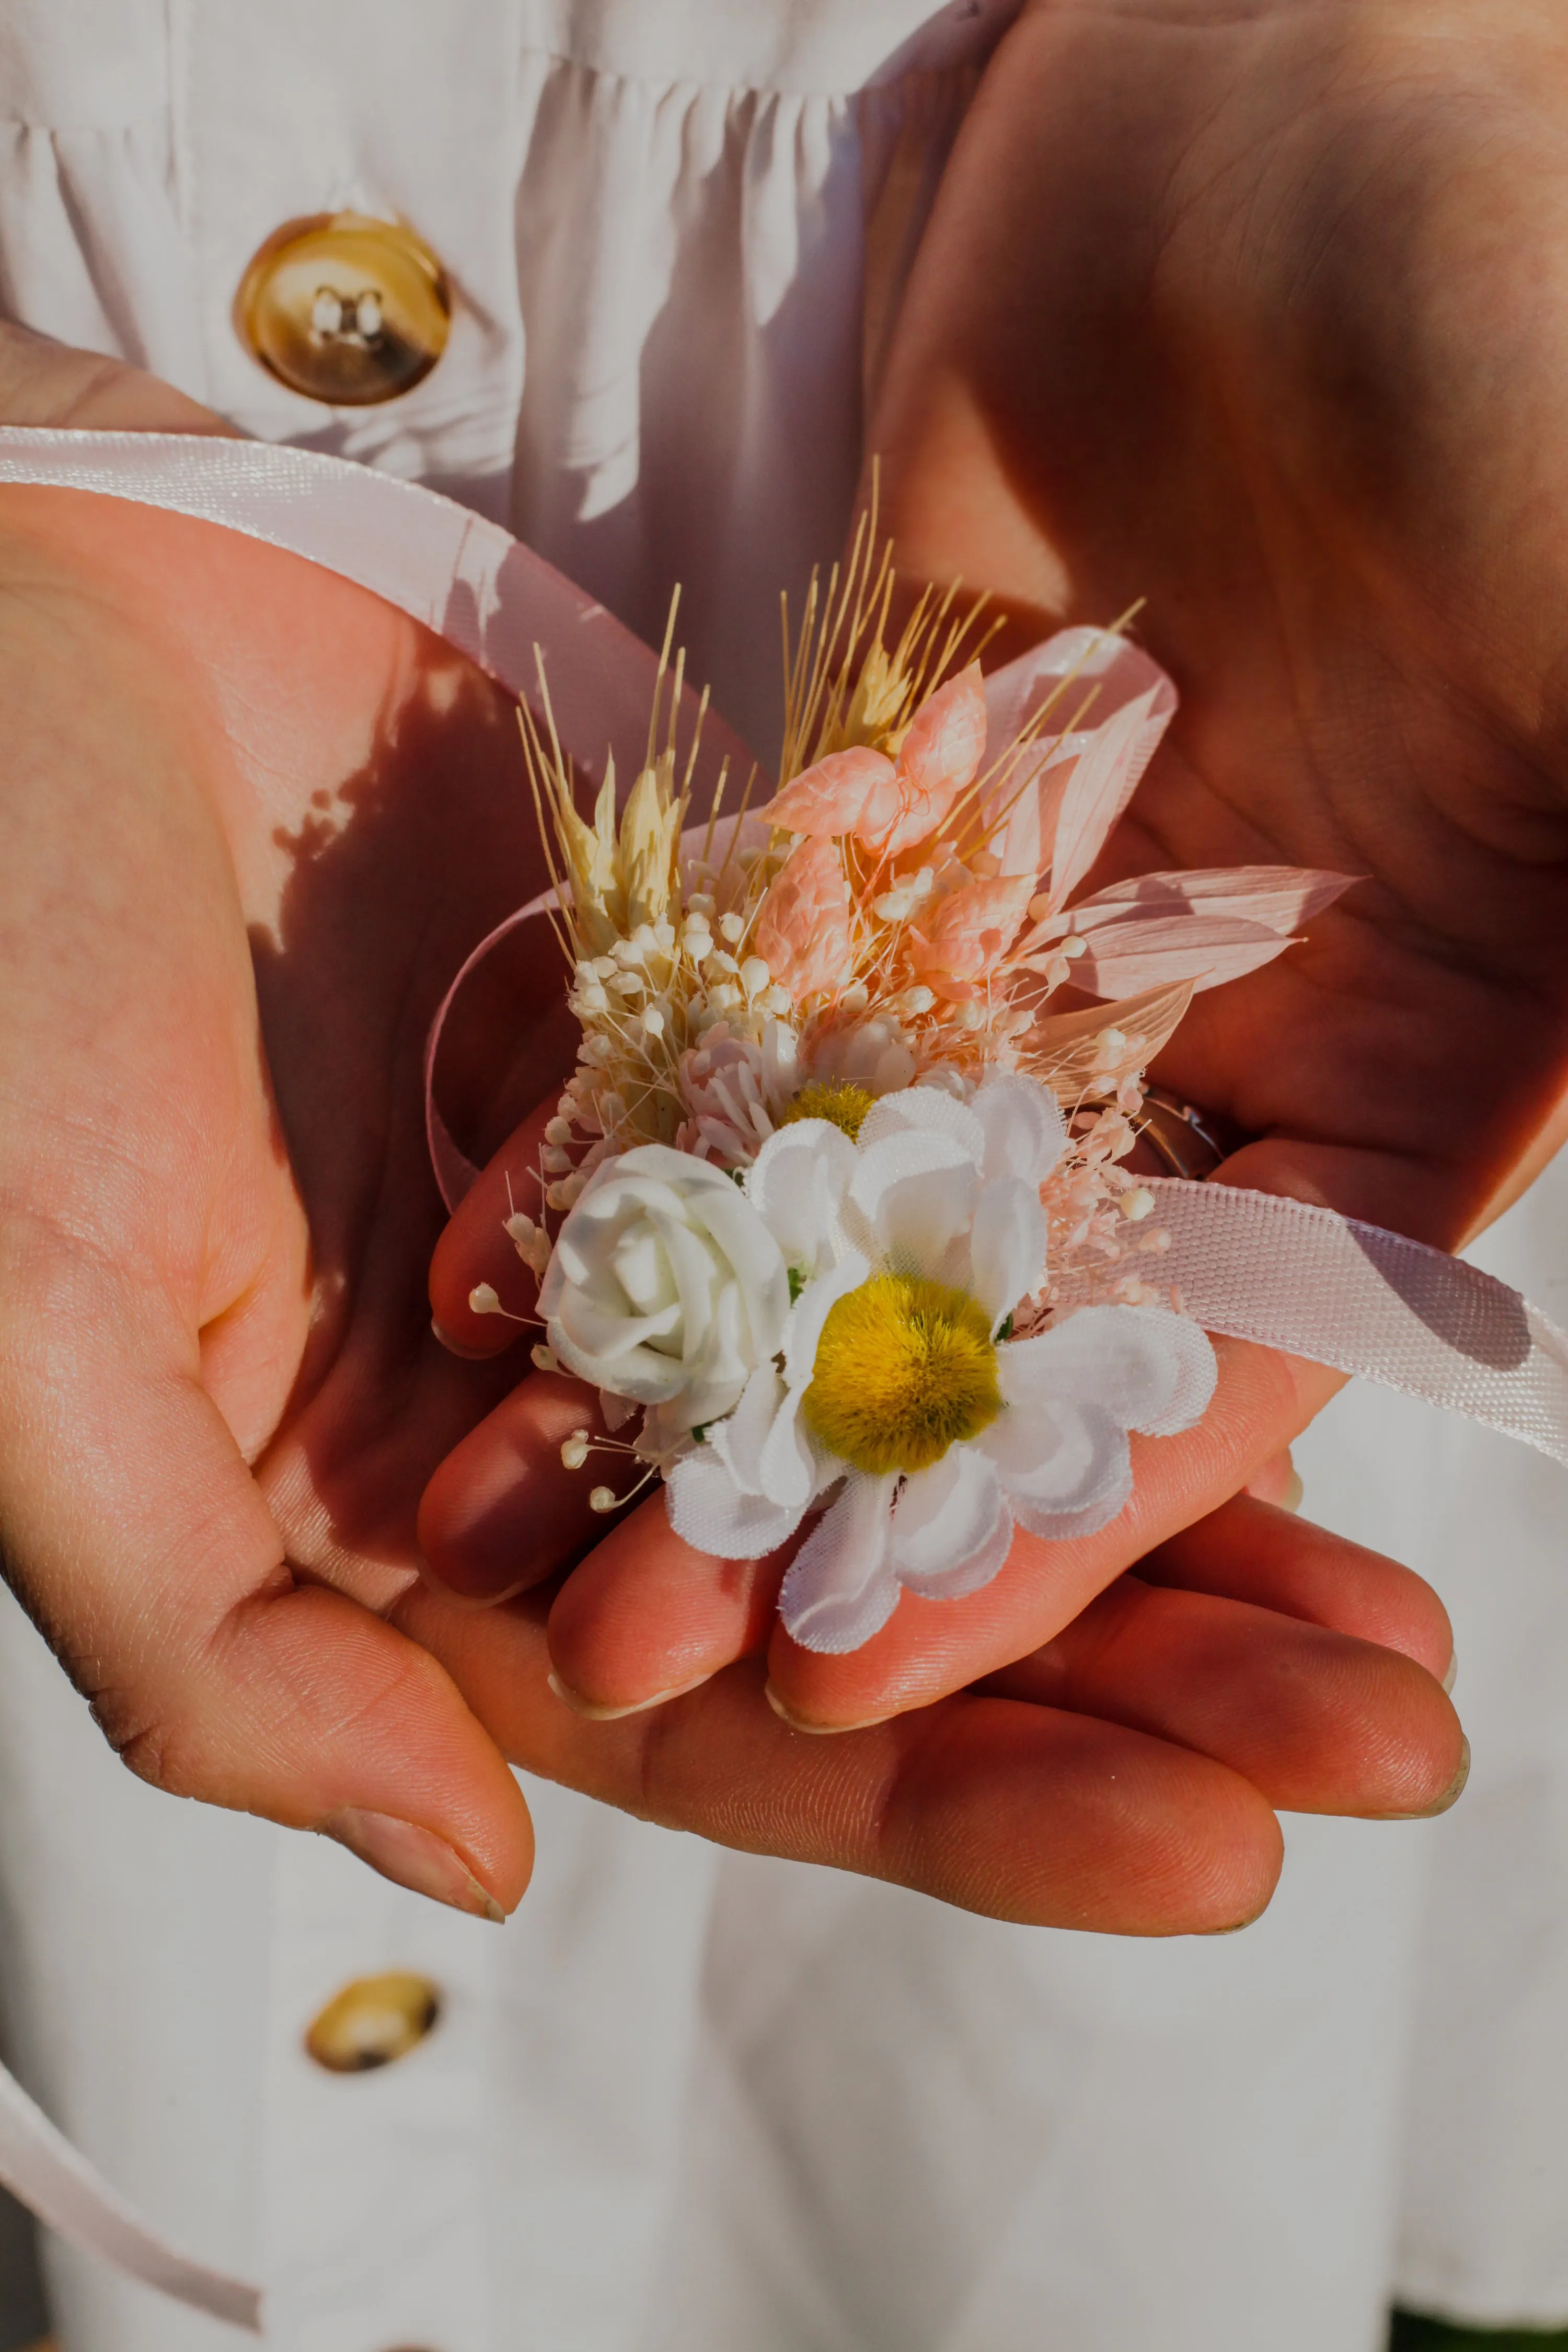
(815, 1730)
(1236, 1926)
(411, 1857)
(1450, 1796)
(472, 1602)
(1452, 1676)
(590, 1713)
(455, 1347)
(1291, 1500)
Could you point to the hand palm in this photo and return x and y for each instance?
(208, 740)
(1240, 315)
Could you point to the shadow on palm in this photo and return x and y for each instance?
(421, 849)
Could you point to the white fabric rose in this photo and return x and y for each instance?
(666, 1286)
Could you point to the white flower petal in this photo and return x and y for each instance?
(1057, 1457)
(755, 1260)
(797, 1185)
(642, 1267)
(1024, 1131)
(707, 1510)
(688, 1265)
(739, 1440)
(1152, 1369)
(916, 1193)
(781, 1054)
(793, 1468)
(1006, 1246)
(764, 1446)
(840, 1588)
(638, 1371)
(1197, 1371)
(810, 1312)
(715, 1381)
(951, 1527)
(1064, 1526)
(929, 1108)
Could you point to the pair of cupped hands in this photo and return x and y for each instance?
(1259, 314)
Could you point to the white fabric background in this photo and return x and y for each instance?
(686, 2100)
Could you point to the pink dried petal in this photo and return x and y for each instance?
(1281, 898)
(843, 794)
(803, 925)
(1130, 956)
(1022, 803)
(1104, 779)
(1074, 666)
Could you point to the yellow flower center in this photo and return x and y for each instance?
(904, 1368)
(834, 1099)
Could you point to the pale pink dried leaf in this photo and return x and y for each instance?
(940, 757)
(803, 924)
(970, 929)
(1086, 676)
(842, 794)
(945, 740)
(1021, 807)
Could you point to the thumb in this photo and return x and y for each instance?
(139, 1541)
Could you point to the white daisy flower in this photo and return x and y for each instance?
(909, 1248)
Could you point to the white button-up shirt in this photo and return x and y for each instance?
(688, 2103)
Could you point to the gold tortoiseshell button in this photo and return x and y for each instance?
(347, 309)
(373, 2021)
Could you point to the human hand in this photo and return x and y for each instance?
(250, 818)
(229, 906)
(1122, 1778)
(229, 898)
(1188, 322)
(1257, 313)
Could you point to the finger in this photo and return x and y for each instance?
(1318, 1721)
(927, 1648)
(645, 1617)
(503, 1512)
(1277, 1481)
(1019, 1812)
(645, 1614)
(213, 1673)
(642, 1614)
(1250, 1551)
(476, 1254)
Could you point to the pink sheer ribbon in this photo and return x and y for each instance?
(1305, 1279)
(1250, 1265)
(53, 2179)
